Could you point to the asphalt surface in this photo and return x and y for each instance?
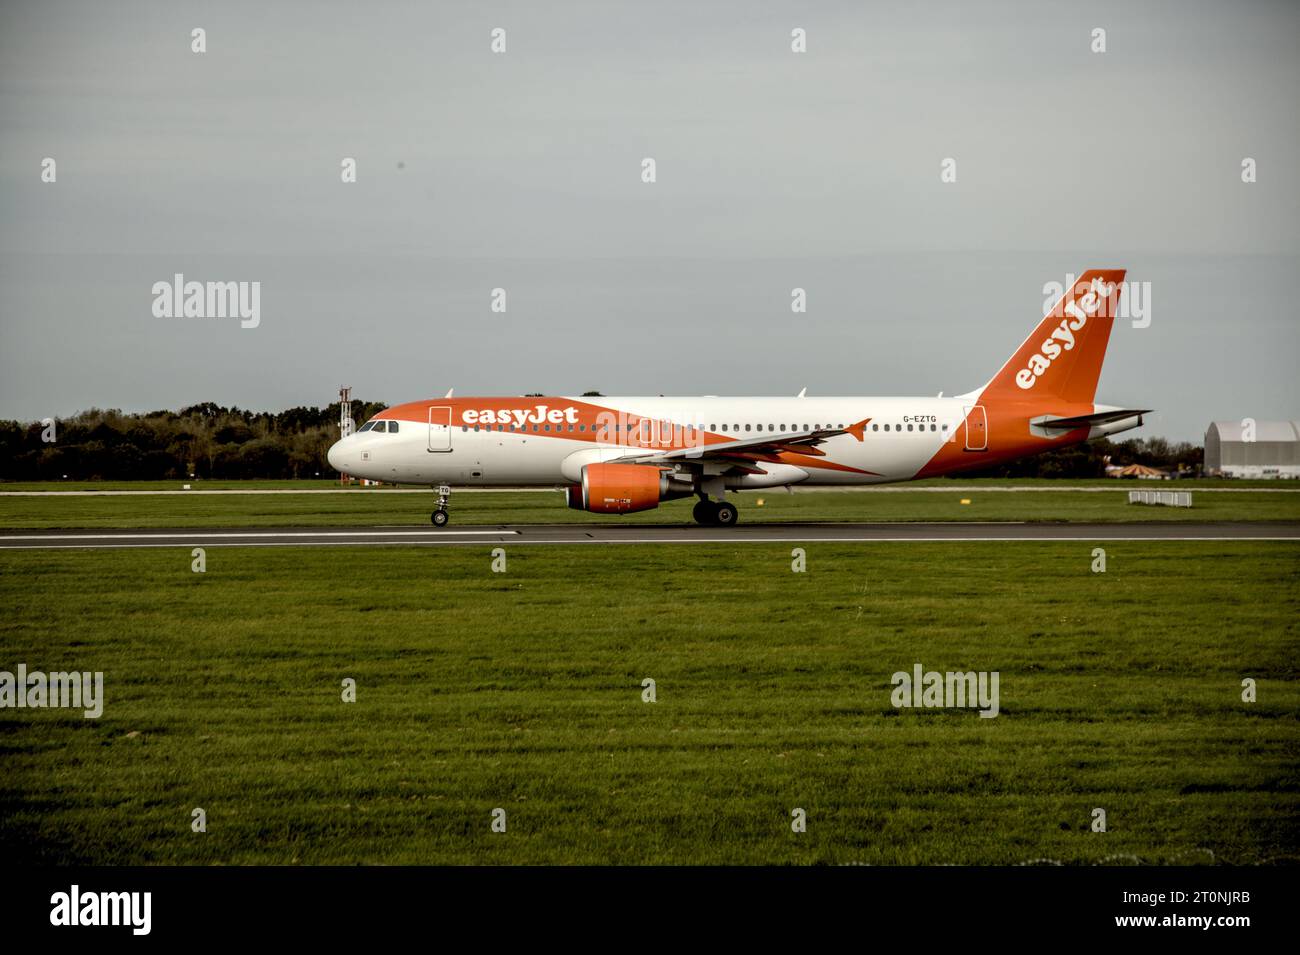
(1110, 488)
(612, 533)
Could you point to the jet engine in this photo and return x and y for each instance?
(622, 488)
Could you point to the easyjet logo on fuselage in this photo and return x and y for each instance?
(1078, 311)
(539, 414)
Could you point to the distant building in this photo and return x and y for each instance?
(1259, 449)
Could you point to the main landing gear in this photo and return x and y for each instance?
(719, 513)
(440, 516)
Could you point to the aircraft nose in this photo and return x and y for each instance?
(337, 457)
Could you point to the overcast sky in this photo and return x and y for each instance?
(522, 170)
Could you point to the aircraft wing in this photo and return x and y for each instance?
(745, 451)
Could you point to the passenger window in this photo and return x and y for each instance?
(875, 427)
(746, 427)
(464, 427)
(724, 427)
(886, 427)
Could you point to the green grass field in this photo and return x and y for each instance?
(383, 507)
(522, 690)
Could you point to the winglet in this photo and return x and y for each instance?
(857, 429)
(449, 391)
(802, 392)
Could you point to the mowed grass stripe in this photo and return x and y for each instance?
(522, 690)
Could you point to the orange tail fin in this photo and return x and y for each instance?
(1062, 358)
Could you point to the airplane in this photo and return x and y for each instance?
(622, 455)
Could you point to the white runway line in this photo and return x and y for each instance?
(185, 535)
(281, 490)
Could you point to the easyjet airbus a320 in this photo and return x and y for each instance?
(619, 455)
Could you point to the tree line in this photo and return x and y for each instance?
(209, 441)
(201, 441)
(1089, 460)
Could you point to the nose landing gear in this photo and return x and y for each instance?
(440, 517)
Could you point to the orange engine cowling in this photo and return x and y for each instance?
(617, 488)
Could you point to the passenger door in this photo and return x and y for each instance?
(439, 429)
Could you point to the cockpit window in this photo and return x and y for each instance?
(392, 427)
(366, 427)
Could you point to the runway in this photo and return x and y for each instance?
(531, 534)
(819, 489)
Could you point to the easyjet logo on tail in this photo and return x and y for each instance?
(1063, 337)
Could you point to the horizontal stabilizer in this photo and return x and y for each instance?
(1089, 420)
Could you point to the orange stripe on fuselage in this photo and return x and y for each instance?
(1008, 437)
(664, 436)
(557, 414)
(821, 464)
